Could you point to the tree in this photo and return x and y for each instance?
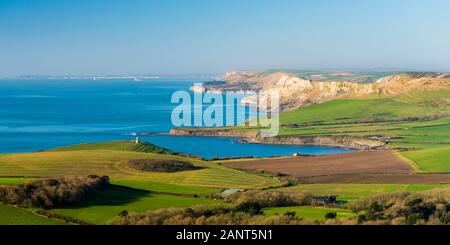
(124, 214)
(249, 207)
(331, 215)
(290, 214)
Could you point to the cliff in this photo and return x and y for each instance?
(214, 132)
(250, 136)
(296, 91)
(359, 143)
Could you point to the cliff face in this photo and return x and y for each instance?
(254, 137)
(324, 140)
(297, 92)
(401, 83)
(214, 132)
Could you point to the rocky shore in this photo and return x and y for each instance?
(253, 136)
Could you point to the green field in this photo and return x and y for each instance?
(364, 109)
(134, 190)
(105, 205)
(355, 191)
(431, 160)
(402, 117)
(13, 181)
(17, 216)
(113, 164)
(149, 185)
(428, 138)
(116, 146)
(310, 213)
(376, 109)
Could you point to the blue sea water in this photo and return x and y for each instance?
(43, 114)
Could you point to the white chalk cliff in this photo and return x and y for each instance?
(296, 91)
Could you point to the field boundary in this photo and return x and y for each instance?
(412, 163)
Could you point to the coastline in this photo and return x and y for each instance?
(253, 137)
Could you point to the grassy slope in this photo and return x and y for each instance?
(13, 181)
(106, 204)
(350, 110)
(310, 213)
(110, 159)
(149, 185)
(356, 191)
(431, 160)
(116, 146)
(113, 163)
(10, 215)
(366, 109)
(430, 139)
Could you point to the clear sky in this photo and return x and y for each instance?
(99, 37)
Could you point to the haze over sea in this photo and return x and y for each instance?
(43, 114)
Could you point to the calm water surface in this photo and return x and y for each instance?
(42, 114)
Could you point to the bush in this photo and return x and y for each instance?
(445, 219)
(204, 215)
(290, 214)
(331, 215)
(271, 198)
(361, 218)
(249, 207)
(413, 218)
(50, 193)
(403, 208)
(413, 200)
(161, 165)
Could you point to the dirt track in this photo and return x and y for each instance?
(358, 167)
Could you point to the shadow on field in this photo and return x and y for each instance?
(113, 196)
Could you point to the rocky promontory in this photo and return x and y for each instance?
(254, 137)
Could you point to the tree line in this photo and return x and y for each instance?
(54, 192)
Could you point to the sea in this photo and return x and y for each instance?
(42, 114)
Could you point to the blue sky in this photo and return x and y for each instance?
(98, 37)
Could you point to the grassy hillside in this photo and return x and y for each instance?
(107, 204)
(160, 187)
(408, 119)
(116, 146)
(371, 109)
(18, 216)
(431, 160)
(113, 163)
(133, 190)
(356, 191)
(13, 181)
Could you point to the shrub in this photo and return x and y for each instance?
(161, 165)
(271, 198)
(249, 207)
(50, 193)
(290, 214)
(413, 200)
(331, 215)
(445, 219)
(429, 207)
(361, 218)
(414, 218)
(204, 215)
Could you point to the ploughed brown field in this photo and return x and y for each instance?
(379, 179)
(349, 163)
(356, 167)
